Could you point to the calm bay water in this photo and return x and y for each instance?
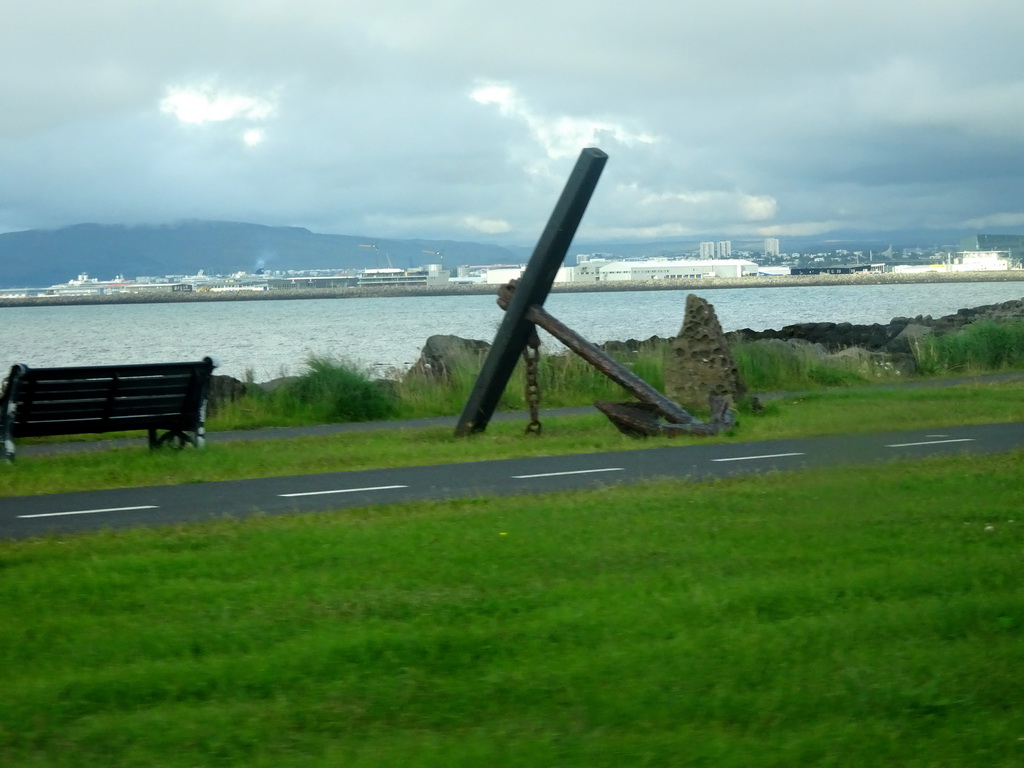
(272, 338)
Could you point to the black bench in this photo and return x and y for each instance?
(168, 397)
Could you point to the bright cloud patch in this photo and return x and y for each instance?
(254, 136)
(758, 207)
(799, 229)
(561, 136)
(203, 104)
(487, 226)
(996, 220)
(713, 206)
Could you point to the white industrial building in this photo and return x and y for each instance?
(502, 275)
(982, 261)
(605, 270)
(965, 261)
(429, 275)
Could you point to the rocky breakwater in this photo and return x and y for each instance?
(896, 336)
(890, 345)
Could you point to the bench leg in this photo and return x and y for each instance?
(7, 444)
(176, 438)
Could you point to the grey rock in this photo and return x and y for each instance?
(443, 353)
(699, 363)
(223, 390)
(905, 341)
(275, 384)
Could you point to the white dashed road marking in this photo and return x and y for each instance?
(89, 511)
(342, 490)
(765, 456)
(560, 474)
(932, 442)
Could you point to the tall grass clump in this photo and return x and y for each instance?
(328, 391)
(566, 379)
(779, 366)
(422, 392)
(983, 346)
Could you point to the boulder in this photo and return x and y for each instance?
(908, 338)
(223, 390)
(275, 384)
(801, 347)
(699, 363)
(442, 354)
(631, 348)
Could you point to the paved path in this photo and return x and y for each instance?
(27, 516)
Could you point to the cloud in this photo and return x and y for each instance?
(799, 229)
(254, 137)
(204, 103)
(459, 119)
(487, 226)
(560, 136)
(996, 220)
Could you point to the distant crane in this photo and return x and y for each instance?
(376, 252)
(440, 256)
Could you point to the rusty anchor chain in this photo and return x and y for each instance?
(531, 357)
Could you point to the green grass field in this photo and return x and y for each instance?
(850, 617)
(861, 617)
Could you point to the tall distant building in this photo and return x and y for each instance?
(771, 246)
(707, 250)
(723, 249)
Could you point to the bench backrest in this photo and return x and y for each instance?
(106, 398)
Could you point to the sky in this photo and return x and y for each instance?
(462, 119)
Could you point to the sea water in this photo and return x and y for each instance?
(266, 339)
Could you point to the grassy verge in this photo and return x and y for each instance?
(834, 412)
(869, 617)
(332, 390)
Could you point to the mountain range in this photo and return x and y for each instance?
(36, 258)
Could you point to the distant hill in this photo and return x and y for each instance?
(36, 258)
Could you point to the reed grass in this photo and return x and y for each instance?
(329, 390)
(979, 347)
(779, 367)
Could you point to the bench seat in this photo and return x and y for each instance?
(158, 397)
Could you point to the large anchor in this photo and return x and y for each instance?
(634, 419)
(523, 302)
